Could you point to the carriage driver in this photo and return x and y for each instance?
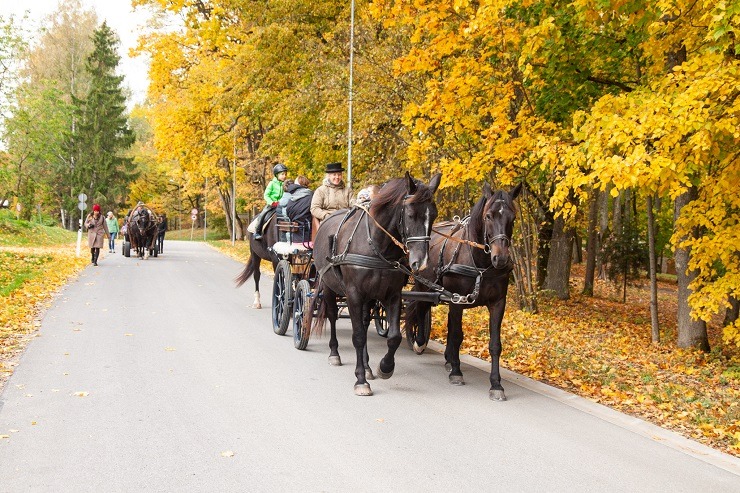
(272, 195)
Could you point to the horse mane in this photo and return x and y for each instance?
(394, 192)
(475, 224)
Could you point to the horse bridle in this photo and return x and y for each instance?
(402, 228)
(488, 243)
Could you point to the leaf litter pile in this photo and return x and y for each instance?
(29, 277)
(601, 349)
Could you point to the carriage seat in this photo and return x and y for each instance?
(285, 248)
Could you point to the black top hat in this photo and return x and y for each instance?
(334, 168)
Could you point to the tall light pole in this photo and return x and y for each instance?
(233, 195)
(351, 95)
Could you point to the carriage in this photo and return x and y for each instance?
(366, 256)
(294, 282)
(140, 233)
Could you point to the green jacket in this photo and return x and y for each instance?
(112, 225)
(274, 191)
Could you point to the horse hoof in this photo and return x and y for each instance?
(369, 374)
(384, 375)
(448, 367)
(497, 395)
(457, 380)
(419, 349)
(335, 361)
(363, 389)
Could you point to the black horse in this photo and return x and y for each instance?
(471, 259)
(366, 255)
(259, 250)
(142, 232)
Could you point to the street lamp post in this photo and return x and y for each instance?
(351, 95)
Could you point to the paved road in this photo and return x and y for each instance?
(149, 375)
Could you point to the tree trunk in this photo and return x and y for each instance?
(732, 312)
(603, 230)
(593, 216)
(691, 333)
(654, 324)
(544, 243)
(559, 262)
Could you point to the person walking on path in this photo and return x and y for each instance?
(97, 230)
(112, 222)
(161, 230)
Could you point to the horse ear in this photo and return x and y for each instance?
(517, 189)
(410, 184)
(435, 181)
(487, 192)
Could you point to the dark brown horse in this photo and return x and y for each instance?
(366, 255)
(470, 258)
(259, 250)
(142, 232)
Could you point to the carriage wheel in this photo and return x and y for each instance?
(381, 319)
(301, 307)
(425, 329)
(126, 250)
(282, 297)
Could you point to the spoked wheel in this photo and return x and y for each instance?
(301, 312)
(381, 319)
(418, 337)
(282, 298)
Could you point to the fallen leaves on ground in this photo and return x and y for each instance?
(29, 277)
(601, 349)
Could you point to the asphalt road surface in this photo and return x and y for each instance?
(157, 375)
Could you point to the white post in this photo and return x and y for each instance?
(351, 96)
(79, 240)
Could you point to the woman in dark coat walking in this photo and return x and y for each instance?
(97, 230)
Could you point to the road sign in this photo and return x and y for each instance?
(82, 197)
(194, 217)
(82, 206)
(194, 212)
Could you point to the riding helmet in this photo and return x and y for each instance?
(279, 168)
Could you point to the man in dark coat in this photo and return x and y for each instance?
(299, 208)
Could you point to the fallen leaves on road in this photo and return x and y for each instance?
(227, 453)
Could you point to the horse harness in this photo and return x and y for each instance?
(378, 261)
(466, 270)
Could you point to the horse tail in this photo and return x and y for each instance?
(248, 270)
(317, 322)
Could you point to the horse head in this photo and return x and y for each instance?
(499, 214)
(143, 220)
(407, 206)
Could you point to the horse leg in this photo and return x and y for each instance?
(359, 341)
(454, 341)
(332, 313)
(393, 313)
(366, 318)
(496, 312)
(256, 260)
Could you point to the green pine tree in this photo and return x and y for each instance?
(101, 134)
